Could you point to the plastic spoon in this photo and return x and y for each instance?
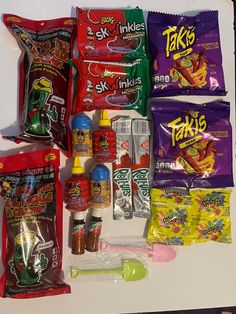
(131, 270)
(159, 252)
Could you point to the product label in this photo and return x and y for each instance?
(100, 192)
(82, 142)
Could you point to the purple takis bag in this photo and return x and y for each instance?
(192, 144)
(186, 54)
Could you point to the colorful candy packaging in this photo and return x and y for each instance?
(141, 167)
(107, 34)
(44, 78)
(211, 215)
(186, 54)
(32, 225)
(112, 85)
(192, 144)
(170, 221)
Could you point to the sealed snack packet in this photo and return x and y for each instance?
(211, 215)
(112, 85)
(192, 144)
(213, 228)
(32, 225)
(207, 202)
(186, 54)
(111, 34)
(44, 78)
(169, 223)
(141, 167)
(122, 189)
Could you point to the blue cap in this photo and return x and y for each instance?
(81, 121)
(100, 172)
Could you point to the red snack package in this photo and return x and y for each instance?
(45, 78)
(107, 34)
(32, 225)
(112, 85)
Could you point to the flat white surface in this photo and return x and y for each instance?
(202, 275)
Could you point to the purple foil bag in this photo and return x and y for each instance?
(192, 144)
(186, 54)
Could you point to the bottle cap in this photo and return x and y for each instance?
(100, 172)
(79, 215)
(82, 122)
(104, 120)
(97, 213)
(77, 169)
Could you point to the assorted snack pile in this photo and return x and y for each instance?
(188, 198)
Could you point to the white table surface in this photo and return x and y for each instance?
(202, 275)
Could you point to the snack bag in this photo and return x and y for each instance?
(122, 169)
(186, 54)
(108, 34)
(169, 223)
(192, 144)
(32, 225)
(211, 202)
(44, 78)
(112, 85)
(141, 167)
(213, 228)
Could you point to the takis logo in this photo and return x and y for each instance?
(189, 126)
(179, 39)
(121, 177)
(141, 178)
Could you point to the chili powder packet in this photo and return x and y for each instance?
(106, 34)
(45, 78)
(32, 225)
(186, 54)
(113, 85)
(192, 144)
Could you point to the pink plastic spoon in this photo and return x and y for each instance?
(158, 252)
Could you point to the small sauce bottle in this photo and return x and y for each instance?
(94, 231)
(78, 233)
(77, 189)
(104, 140)
(82, 144)
(100, 187)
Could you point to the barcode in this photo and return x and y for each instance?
(140, 126)
(122, 127)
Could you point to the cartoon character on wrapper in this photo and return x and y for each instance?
(24, 265)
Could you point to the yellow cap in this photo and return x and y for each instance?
(104, 120)
(77, 169)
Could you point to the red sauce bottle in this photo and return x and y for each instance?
(77, 189)
(94, 231)
(78, 233)
(104, 140)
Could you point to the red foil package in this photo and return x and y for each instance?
(32, 225)
(45, 78)
(107, 34)
(112, 85)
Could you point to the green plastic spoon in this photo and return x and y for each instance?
(131, 270)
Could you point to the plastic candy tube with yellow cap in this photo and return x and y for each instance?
(104, 140)
(77, 189)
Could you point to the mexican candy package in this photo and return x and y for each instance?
(44, 78)
(192, 144)
(186, 54)
(32, 225)
(109, 34)
(112, 85)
